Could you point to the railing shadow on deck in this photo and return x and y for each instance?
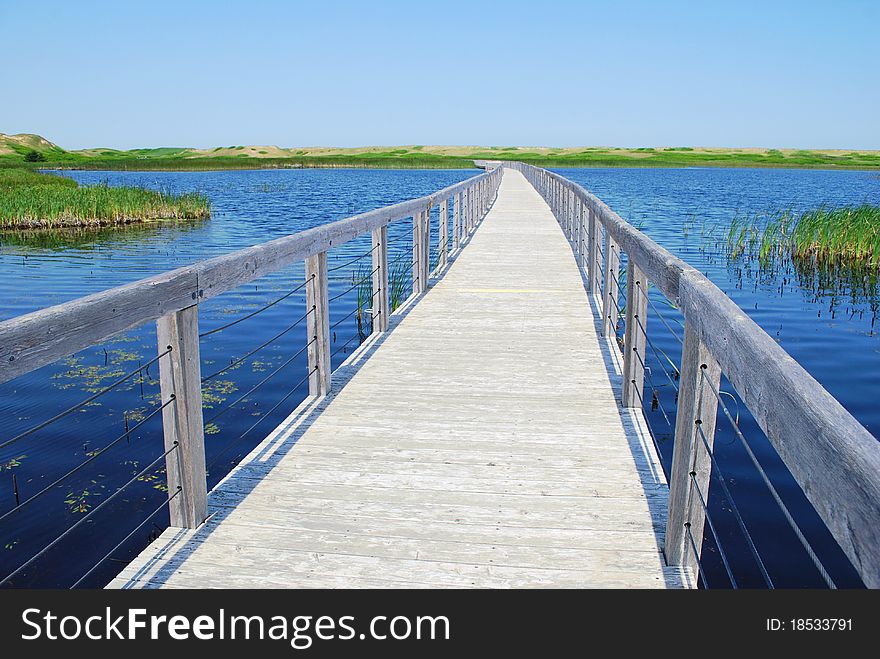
(638, 435)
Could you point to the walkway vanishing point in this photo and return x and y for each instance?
(489, 433)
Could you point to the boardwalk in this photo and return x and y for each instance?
(480, 443)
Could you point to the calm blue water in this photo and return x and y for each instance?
(834, 341)
(833, 336)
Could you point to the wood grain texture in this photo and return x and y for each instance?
(443, 235)
(318, 324)
(380, 302)
(635, 340)
(478, 443)
(834, 459)
(456, 222)
(180, 379)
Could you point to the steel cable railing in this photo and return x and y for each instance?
(84, 402)
(719, 477)
(82, 520)
(253, 313)
(95, 455)
(808, 548)
(250, 391)
(251, 353)
(262, 418)
(160, 508)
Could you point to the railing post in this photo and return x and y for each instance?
(421, 238)
(583, 248)
(426, 245)
(634, 342)
(569, 213)
(576, 219)
(593, 251)
(180, 379)
(443, 246)
(691, 464)
(611, 292)
(318, 324)
(465, 214)
(563, 210)
(456, 221)
(417, 282)
(381, 310)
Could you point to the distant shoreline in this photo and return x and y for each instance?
(258, 165)
(37, 152)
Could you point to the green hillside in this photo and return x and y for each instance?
(15, 150)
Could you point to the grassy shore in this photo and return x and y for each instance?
(16, 149)
(30, 200)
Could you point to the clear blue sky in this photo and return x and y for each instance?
(126, 74)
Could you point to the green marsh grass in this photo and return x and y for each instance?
(845, 236)
(30, 200)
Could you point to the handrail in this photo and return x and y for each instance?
(831, 456)
(33, 340)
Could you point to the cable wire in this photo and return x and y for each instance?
(788, 517)
(84, 402)
(254, 313)
(86, 517)
(260, 383)
(258, 348)
(128, 537)
(88, 460)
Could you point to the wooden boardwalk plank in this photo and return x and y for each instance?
(479, 443)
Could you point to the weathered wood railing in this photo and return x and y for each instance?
(833, 458)
(172, 299)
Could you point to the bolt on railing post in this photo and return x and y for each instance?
(318, 324)
(635, 341)
(443, 244)
(379, 303)
(456, 221)
(182, 423)
(694, 422)
(611, 292)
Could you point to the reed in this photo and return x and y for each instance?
(398, 284)
(361, 279)
(845, 236)
(30, 200)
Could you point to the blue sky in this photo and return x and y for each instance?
(129, 74)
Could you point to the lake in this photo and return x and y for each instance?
(685, 210)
